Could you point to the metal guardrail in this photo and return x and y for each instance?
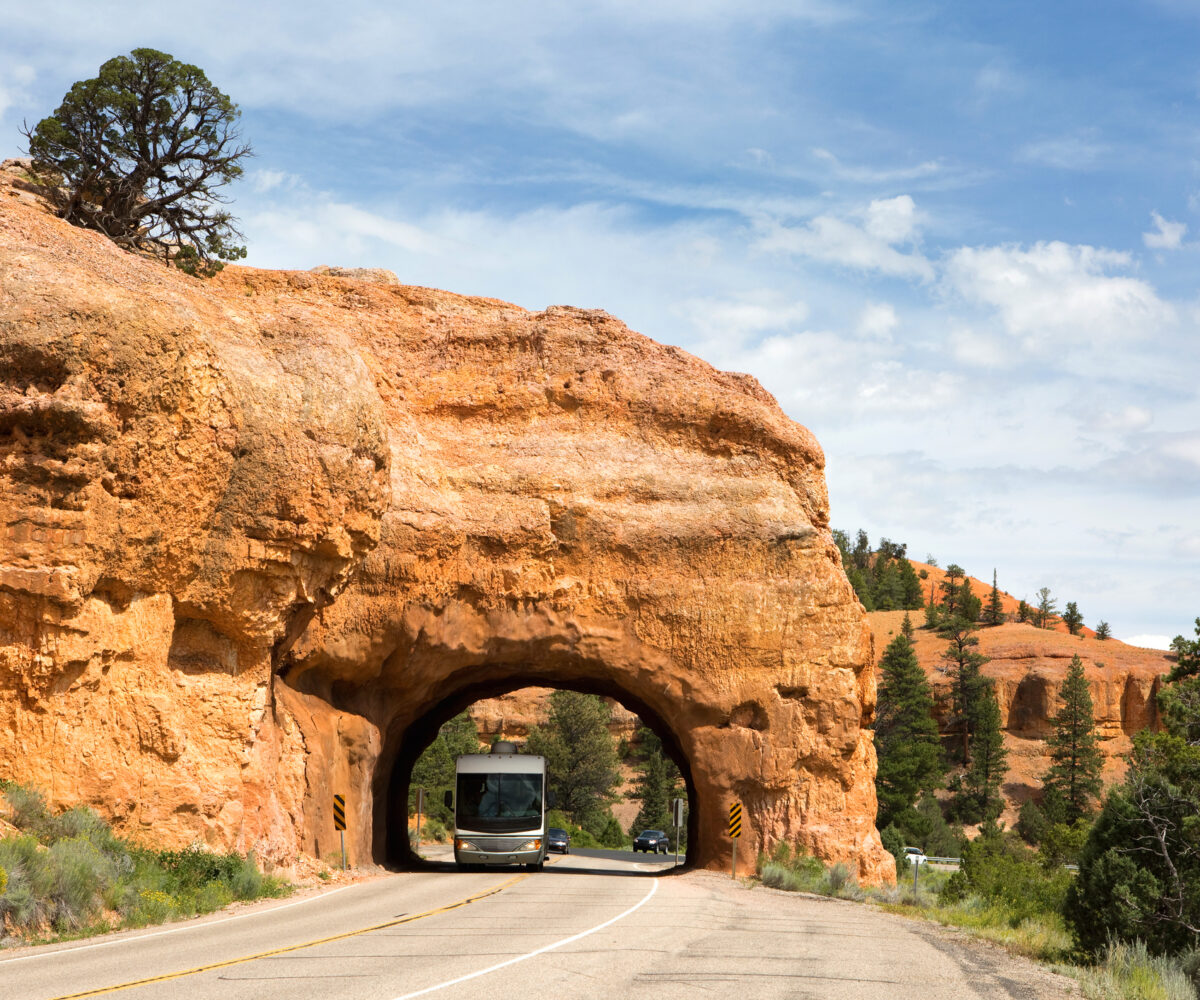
(958, 861)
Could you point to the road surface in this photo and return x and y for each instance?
(585, 927)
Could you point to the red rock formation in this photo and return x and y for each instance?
(263, 534)
(1028, 666)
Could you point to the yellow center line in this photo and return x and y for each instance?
(295, 947)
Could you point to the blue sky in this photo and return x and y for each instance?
(959, 241)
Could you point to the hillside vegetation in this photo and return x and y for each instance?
(68, 875)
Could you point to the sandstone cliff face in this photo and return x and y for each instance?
(1028, 666)
(261, 535)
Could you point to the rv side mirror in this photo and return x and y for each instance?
(551, 798)
(448, 798)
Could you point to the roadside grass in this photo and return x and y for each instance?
(67, 875)
(1021, 917)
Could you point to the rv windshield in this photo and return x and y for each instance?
(499, 803)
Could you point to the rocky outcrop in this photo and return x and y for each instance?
(1028, 666)
(262, 534)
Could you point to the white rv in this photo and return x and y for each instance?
(500, 808)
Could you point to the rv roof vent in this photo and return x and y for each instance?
(504, 746)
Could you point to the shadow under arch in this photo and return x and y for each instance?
(403, 745)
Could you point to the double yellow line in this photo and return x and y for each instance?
(166, 977)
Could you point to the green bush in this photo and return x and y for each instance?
(81, 868)
(1130, 972)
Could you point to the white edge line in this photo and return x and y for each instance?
(533, 954)
(190, 926)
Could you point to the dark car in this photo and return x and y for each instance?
(652, 840)
(558, 840)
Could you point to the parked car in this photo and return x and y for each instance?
(652, 840)
(915, 856)
(558, 840)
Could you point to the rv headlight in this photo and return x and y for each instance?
(464, 845)
(531, 845)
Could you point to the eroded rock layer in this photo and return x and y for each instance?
(261, 533)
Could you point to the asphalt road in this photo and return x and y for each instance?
(584, 927)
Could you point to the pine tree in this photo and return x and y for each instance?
(993, 612)
(1075, 773)
(580, 756)
(906, 626)
(1024, 611)
(1072, 618)
(657, 782)
(966, 682)
(906, 736)
(970, 606)
(911, 585)
(980, 798)
(1047, 609)
(1103, 631)
(951, 593)
(435, 768)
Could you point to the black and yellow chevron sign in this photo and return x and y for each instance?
(339, 812)
(735, 820)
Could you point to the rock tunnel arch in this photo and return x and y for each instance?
(401, 749)
(302, 510)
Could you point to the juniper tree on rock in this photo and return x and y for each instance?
(993, 612)
(1072, 618)
(139, 153)
(907, 743)
(1074, 774)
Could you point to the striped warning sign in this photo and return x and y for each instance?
(339, 812)
(735, 820)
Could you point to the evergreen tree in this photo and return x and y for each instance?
(1047, 609)
(580, 756)
(951, 591)
(910, 585)
(656, 784)
(1180, 699)
(1024, 611)
(993, 612)
(970, 606)
(907, 742)
(1139, 871)
(979, 798)
(1075, 773)
(1103, 631)
(139, 154)
(435, 768)
(1072, 618)
(906, 626)
(966, 682)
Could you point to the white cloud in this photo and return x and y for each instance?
(1127, 418)
(876, 175)
(1077, 151)
(979, 350)
(14, 81)
(1166, 235)
(1054, 292)
(878, 320)
(735, 321)
(869, 246)
(268, 180)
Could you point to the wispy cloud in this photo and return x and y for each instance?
(1165, 235)
(1077, 151)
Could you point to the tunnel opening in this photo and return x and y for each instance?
(404, 745)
